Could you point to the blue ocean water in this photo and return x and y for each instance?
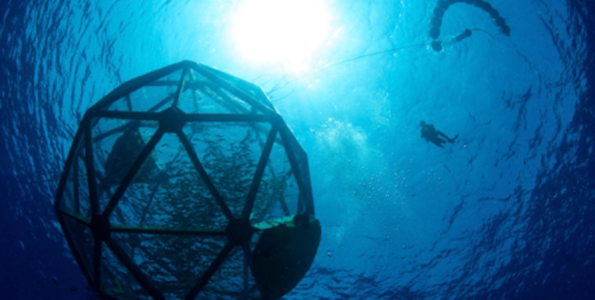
(504, 213)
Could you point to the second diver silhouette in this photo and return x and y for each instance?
(430, 134)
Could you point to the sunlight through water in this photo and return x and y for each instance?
(283, 32)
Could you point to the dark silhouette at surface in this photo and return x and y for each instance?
(441, 8)
(430, 134)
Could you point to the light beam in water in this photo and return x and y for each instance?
(282, 32)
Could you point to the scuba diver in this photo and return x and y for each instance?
(430, 134)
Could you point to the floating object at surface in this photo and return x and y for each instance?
(169, 181)
(441, 8)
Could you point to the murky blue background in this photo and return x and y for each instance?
(506, 212)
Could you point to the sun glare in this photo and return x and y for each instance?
(280, 31)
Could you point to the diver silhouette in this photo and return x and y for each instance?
(430, 134)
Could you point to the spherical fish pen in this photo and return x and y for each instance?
(186, 183)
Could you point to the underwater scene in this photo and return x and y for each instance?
(297, 149)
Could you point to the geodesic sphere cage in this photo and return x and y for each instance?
(186, 183)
